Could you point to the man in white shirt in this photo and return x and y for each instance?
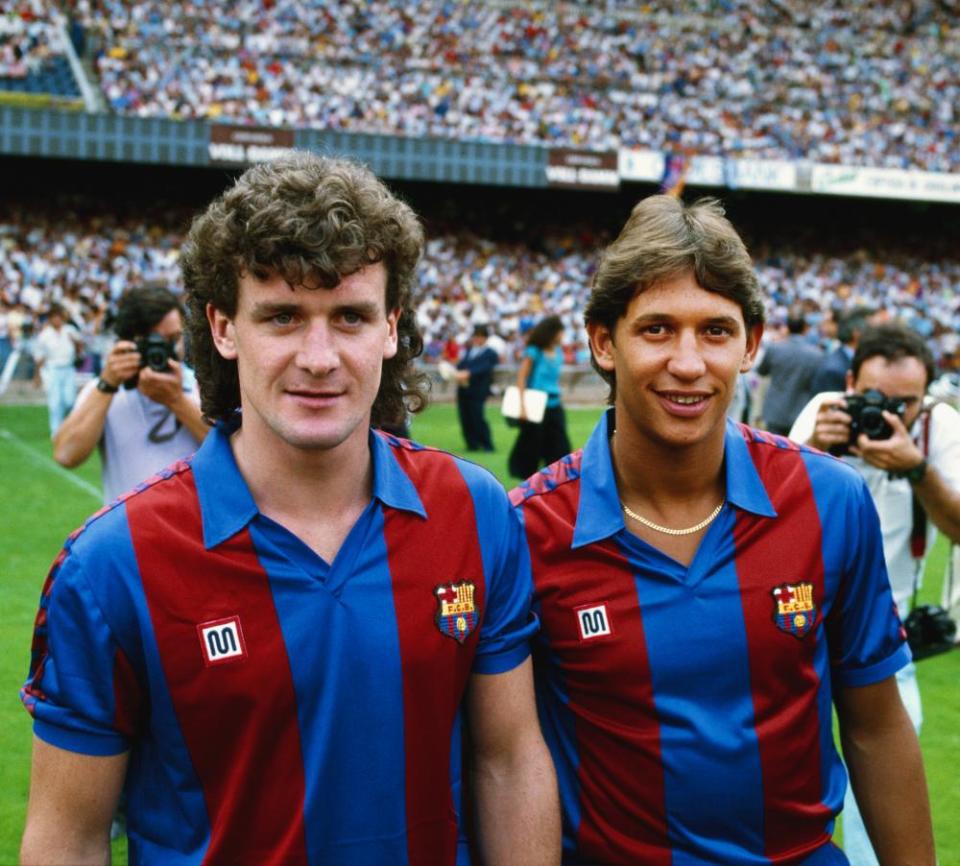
(142, 412)
(916, 461)
(55, 351)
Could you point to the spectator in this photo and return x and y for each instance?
(474, 378)
(55, 351)
(542, 442)
(790, 366)
(831, 375)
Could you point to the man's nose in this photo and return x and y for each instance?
(687, 362)
(318, 352)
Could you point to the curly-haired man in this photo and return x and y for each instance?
(274, 640)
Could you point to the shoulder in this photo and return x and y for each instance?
(777, 458)
(102, 543)
(425, 464)
(532, 352)
(557, 478)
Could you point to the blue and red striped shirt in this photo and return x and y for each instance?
(280, 709)
(688, 708)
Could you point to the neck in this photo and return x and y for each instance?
(286, 480)
(662, 473)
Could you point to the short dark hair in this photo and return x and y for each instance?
(141, 309)
(664, 238)
(311, 220)
(852, 324)
(481, 330)
(893, 342)
(796, 319)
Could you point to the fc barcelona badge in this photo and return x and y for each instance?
(456, 612)
(794, 611)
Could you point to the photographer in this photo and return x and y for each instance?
(908, 453)
(144, 410)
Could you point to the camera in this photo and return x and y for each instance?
(156, 353)
(866, 416)
(929, 631)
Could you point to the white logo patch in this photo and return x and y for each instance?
(593, 621)
(221, 640)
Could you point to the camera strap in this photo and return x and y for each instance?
(918, 534)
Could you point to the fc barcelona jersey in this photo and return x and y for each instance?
(688, 708)
(280, 709)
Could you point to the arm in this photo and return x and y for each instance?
(71, 805)
(167, 388)
(939, 498)
(518, 815)
(83, 427)
(523, 375)
(882, 755)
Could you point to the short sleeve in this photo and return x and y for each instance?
(508, 622)
(945, 443)
(806, 421)
(81, 690)
(867, 640)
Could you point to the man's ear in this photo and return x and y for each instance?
(221, 328)
(601, 345)
(391, 343)
(753, 346)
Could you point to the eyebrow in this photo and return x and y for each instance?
(657, 318)
(272, 308)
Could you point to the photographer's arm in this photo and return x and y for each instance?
(167, 388)
(882, 754)
(83, 427)
(939, 497)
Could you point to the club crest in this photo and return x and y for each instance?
(457, 614)
(793, 609)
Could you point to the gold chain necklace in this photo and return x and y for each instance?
(666, 530)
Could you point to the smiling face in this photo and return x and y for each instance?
(676, 353)
(309, 360)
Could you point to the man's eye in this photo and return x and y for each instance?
(351, 317)
(718, 331)
(282, 318)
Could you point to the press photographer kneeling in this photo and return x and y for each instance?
(144, 410)
(908, 452)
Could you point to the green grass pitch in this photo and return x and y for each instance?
(42, 503)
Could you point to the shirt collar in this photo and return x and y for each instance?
(391, 485)
(227, 506)
(599, 514)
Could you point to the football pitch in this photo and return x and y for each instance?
(42, 503)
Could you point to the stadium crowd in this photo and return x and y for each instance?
(850, 82)
(28, 39)
(85, 258)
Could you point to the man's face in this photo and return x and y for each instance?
(309, 360)
(170, 327)
(904, 379)
(676, 354)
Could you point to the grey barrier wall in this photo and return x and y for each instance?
(42, 132)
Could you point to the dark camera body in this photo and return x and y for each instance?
(866, 416)
(929, 631)
(156, 352)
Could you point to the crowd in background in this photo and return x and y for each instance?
(86, 258)
(28, 39)
(849, 82)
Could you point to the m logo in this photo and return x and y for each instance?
(221, 640)
(593, 621)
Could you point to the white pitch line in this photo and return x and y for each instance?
(48, 463)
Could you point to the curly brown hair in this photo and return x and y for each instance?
(664, 238)
(312, 220)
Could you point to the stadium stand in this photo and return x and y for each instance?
(851, 82)
(32, 54)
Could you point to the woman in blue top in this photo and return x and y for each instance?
(541, 444)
